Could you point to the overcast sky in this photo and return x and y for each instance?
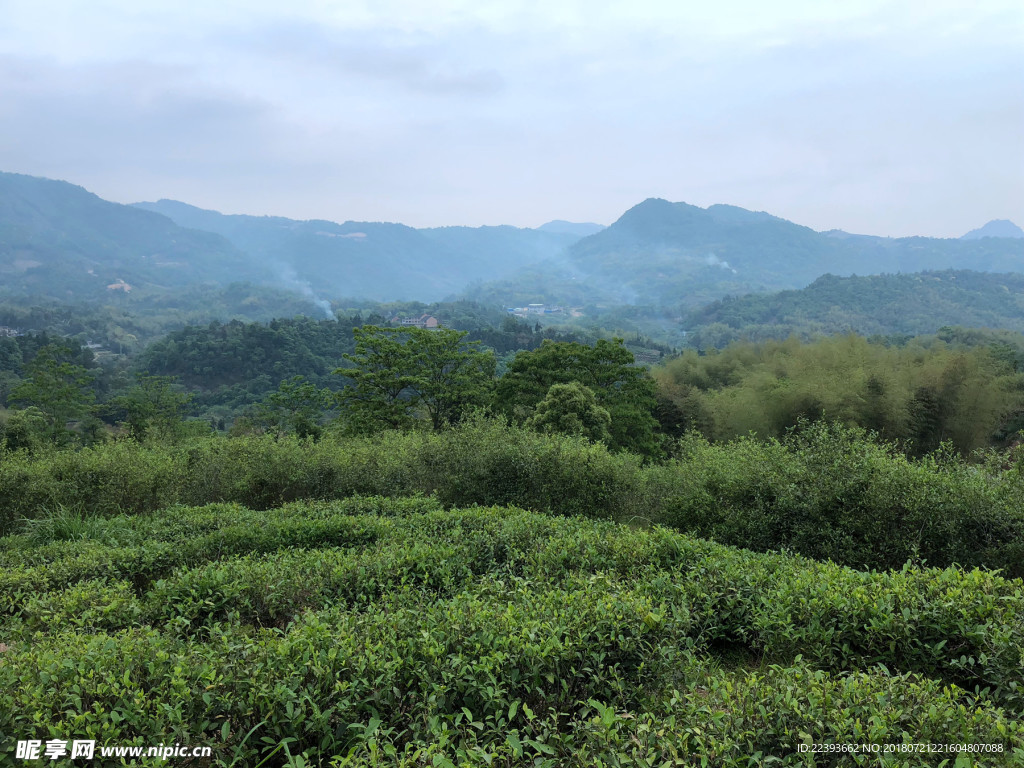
(887, 118)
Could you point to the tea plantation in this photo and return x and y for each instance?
(368, 631)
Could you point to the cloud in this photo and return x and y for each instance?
(868, 118)
(133, 110)
(415, 63)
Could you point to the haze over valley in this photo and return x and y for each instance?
(60, 242)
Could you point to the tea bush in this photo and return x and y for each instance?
(828, 492)
(375, 631)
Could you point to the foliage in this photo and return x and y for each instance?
(924, 393)
(153, 405)
(230, 356)
(231, 366)
(24, 429)
(399, 373)
(571, 409)
(826, 492)
(379, 632)
(57, 387)
(296, 407)
(125, 324)
(621, 388)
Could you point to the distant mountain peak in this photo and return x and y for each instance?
(995, 228)
(580, 229)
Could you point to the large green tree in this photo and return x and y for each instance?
(297, 406)
(26, 429)
(153, 405)
(571, 409)
(622, 388)
(401, 376)
(57, 387)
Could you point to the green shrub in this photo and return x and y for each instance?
(828, 492)
(372, 631)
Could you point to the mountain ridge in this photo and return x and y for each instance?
(375, 260)
(62, 240)
(995, 228)
(666, 254)
(58, 238)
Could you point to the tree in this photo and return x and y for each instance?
(625, 390)
(24, 429)
(571, 409)
(297, 406)
(401, 374)
(59, 388)
(152, 405)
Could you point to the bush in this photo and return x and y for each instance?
(829, 492)
(374, 632)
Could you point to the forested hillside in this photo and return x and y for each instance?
(670, 254)
(58, 240)
(373, 260)
(886, 305)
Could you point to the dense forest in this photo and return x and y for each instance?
(227, 369)
(962, 387)
(885, 305)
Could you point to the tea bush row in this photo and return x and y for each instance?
(963, 627)
(482, 649)
(732, 720)
(144, 548)
(594, 670)
(827, 492)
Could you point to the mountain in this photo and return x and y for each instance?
(906, 304)
(995, 228)
(380, 261)
(666, 254)
(58, 240)
(571, 228)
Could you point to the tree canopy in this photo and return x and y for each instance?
(152, 405)
(571, 409)
(625, 390)
(402, 374)
(57, 387)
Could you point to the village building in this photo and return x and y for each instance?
(423, 321)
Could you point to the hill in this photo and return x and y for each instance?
(61, 241)
(909, 304)
(572, 228)
(667, 254)
(373, 260)
(995, 228)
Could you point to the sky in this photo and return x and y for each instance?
(884, 118)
